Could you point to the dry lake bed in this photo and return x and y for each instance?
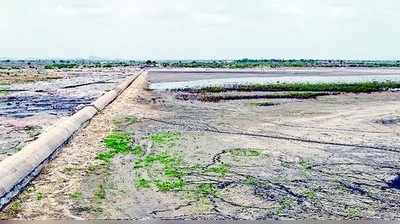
(171, 148)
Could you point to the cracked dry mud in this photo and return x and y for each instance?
(334, 157)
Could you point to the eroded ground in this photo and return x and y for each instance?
(151, 155)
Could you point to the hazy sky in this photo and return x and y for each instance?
(195, 29)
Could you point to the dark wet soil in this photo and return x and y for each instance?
(27, 106)
(389, 120)
(395, 183)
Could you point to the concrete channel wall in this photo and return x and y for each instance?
(18, 170)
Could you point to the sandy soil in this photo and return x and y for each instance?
(334, 157)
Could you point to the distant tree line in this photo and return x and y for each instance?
(274, 63)
(241, 63)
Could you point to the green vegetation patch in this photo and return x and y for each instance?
(251, 181)
(206, 189)
(305, 165)
(138, 151)
(246, 152)
(116, 143)
(353, 212)
(119, 142)
(13, 209)
(221, 169)
(100, 192)
(309, 194)
(163, 158)
(285, 204)
(76, 195)
(170, 185)
(143, 183)
(172, 172)
(164, 138)
(105, 156)
(39, 196)
(172, 165)
(362, 87)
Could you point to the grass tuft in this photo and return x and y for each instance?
(105, 156)
(116, 143)
(164, 138)
(76, 195)
(206, 189)
(219, 169)
(170, 185)
(305, 165)
(39, 196)
(310, 194)
(143, 183)
(162, 158)
(119, 142)
(353, 212)
(285, 204)
(251, 181)
(14, 209)
(138, 151)
(100, 192)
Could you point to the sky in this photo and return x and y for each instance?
(200, 29)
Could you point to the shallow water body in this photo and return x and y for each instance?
(271, 80)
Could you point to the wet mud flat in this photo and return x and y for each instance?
(154, 155)
(29, 105)
(330, 157)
